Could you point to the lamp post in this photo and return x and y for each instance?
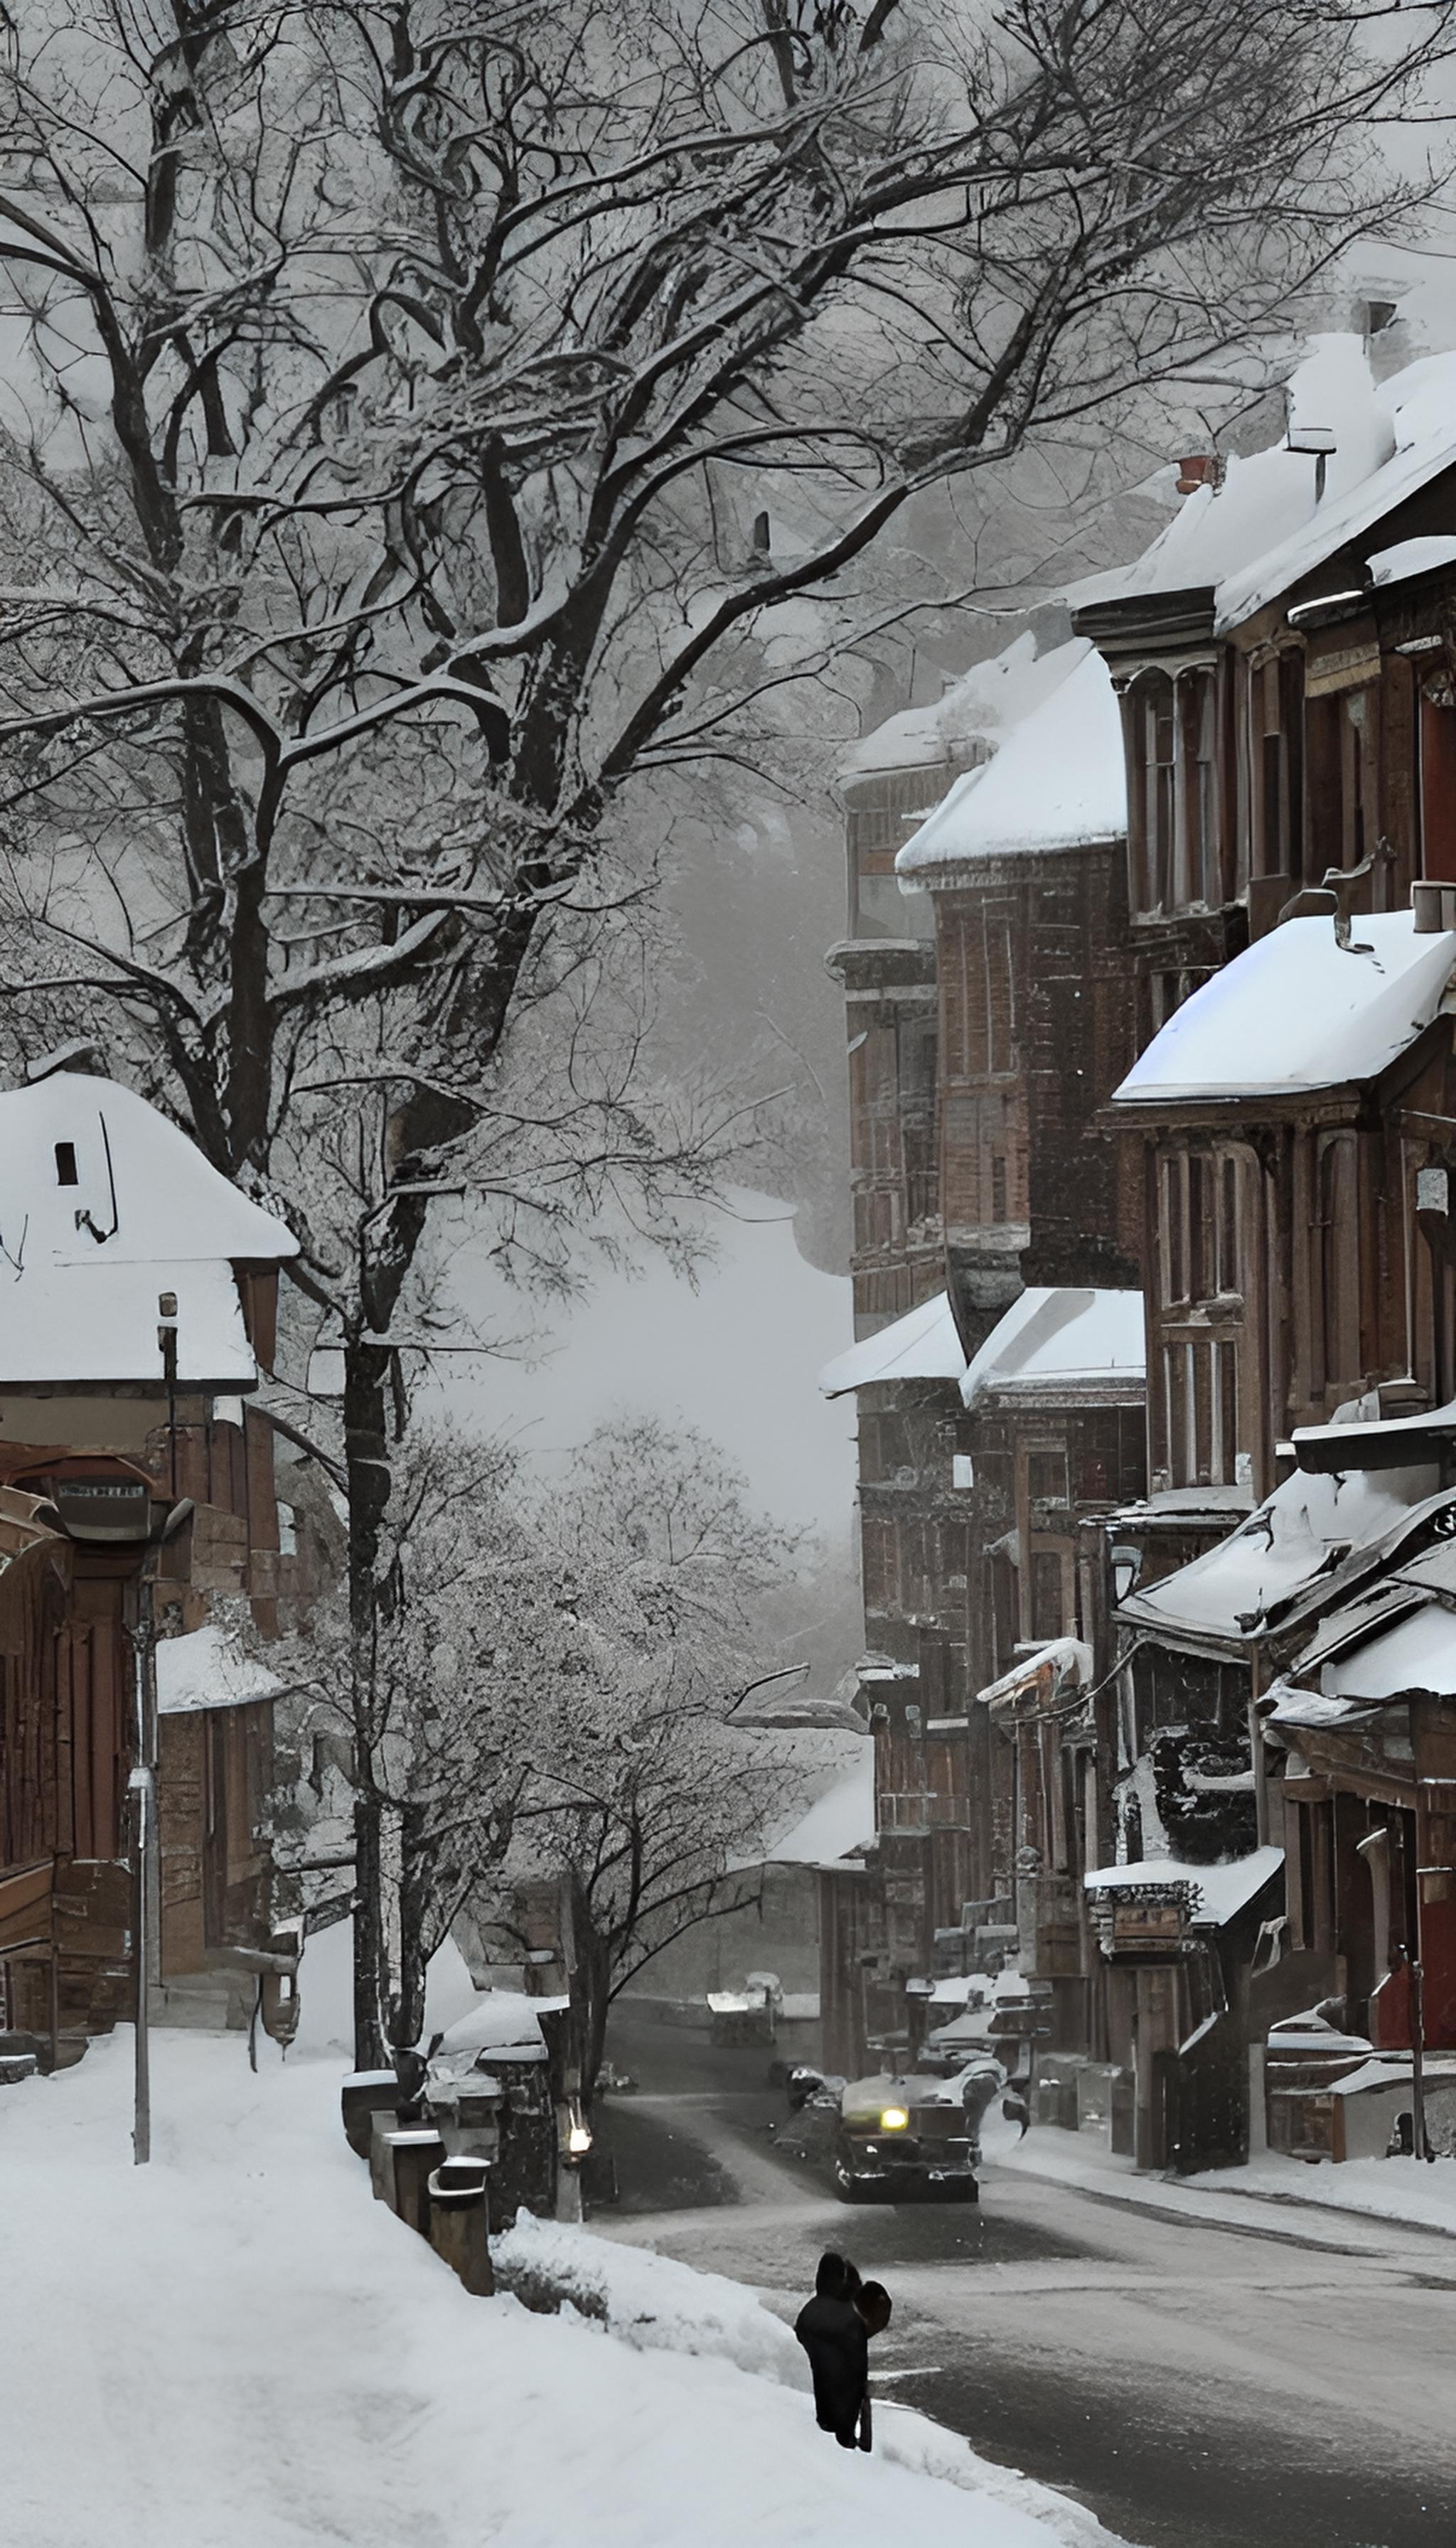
(145, 1835)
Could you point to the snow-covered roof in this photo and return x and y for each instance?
(981, 707)
(1224, 1890)
(95, 1325)
(1058, 783)
(209, 1668)
(837, 1824)
(1266, 529)
(1396, 1637)
(147, 1187)
(1405, 435)
(105, 1209)
(1301, 1536)
(1054, 1340)
(1297, 1011)
(922, 1345)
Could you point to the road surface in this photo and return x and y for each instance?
(1261, 2379)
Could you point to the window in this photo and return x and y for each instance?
(66, 1165)
(1205, 878)
(1047, 1477)
(1276, 761)
(1338, 1240)
(1048, 1615)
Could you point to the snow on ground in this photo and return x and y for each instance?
(1392, 2189)
(237, 2348)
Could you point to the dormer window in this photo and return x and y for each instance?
(66, 1165)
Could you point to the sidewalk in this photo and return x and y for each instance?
(1393, 2193)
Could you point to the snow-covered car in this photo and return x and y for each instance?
(914, 2139)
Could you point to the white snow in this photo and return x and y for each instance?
(1058, 783)
(1265, 528)
(1410, 558)
(922, 1345)
(980, 708)
(504, 2023)
(86, 1264)
(1417, 1652)
(838, 1823)
(1412, 415)
(1392, 2189)
(1051, 1342)
(1304, 1528)
(97, 1323)
(1070, 1659)
(134, 1169)
(250, 2353)
(1296, 1010)
(1306, 1708)
(209, 1668)
(1222, 1889)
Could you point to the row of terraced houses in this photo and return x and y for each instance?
(1150, 982)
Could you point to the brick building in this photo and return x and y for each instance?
(138, 1559)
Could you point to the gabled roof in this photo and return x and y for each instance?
(1297, 1011)
(141, 1189)
(1057, 1343)
(922, 1345)
(107, 1211)
(1058, 783)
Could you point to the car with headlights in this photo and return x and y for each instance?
(913, 2139)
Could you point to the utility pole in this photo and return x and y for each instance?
(142, 1789)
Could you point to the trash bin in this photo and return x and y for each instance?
(459, 2220)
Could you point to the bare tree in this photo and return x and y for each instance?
(403, 400)
(645, 1791)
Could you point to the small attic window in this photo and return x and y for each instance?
(66, 1165)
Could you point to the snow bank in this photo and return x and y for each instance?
(657, 2305)
(1392, 2188)
(652, 2303)
(237, 2348)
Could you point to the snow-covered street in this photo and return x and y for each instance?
(237, 2348)
(1208, 2368)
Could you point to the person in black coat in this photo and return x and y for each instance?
(837, 2342)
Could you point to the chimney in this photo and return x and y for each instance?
(1204, 468)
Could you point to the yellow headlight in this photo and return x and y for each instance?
(894, 2120)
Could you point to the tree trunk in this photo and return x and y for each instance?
(367, 1468)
